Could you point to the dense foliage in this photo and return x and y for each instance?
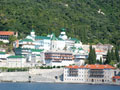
(92, 56)
(5, 69)
(112, 57)
(79, 17)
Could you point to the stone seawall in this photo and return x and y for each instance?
(39, 75)
(46, 75)
(14, 76)
(33, 75)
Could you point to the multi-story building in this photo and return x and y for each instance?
(89, 74)
(116, 79)
(16, 61)
(2, 55)
(49, 42)
(80, 58)
(27, 43)
(32, 55)
(4, 35)
(58, 58)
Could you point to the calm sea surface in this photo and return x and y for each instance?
(49, 86)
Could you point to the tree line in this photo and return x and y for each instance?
(112, 57)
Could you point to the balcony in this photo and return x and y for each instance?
(96, 76)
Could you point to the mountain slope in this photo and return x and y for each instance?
(80, 17)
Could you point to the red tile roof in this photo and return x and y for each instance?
(75, 67)
(99, 67)
(93, 67)
(6, 33)
(97, 50)
(116, 77)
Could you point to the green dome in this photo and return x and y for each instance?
(33, 30)
(53, 37)
(77, 41)
(63, 29)
(80, 48)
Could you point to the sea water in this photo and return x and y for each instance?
(54, 86)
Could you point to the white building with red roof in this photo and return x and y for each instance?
(116, 79)
(89, 74)
(4, 35)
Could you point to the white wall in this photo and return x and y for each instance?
(16, 62)
(28, 46)
(83, 76)
(5, 41)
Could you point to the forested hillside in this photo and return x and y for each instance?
(83, 19)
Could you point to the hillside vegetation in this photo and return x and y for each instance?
(79, 17)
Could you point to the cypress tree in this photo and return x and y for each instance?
(108, 58)
(113, 57)
(117, 54)
(92, 56)
(100, 62)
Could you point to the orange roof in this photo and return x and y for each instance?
(6, 33)
(99, 67)
(75, 67)
(116, 77)
(93, 67)
(97, 50)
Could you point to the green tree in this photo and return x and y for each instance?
(113, 56)
(108, 58)
(112, 63)
(118, 65)
(92, 56)
(117, 54)
(101, 61)
(12, 38)
(1, 43)
(10, 48)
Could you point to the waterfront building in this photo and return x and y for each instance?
(16, 61)
(4, 35)
(116, 79)
(58, 58)
(89, 74)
